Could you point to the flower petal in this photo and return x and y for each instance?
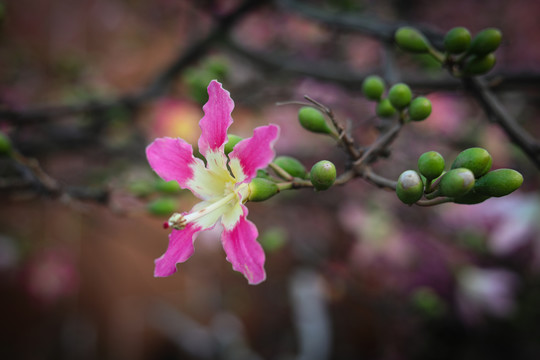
(217, 119)
(180, 249)
(211, 181)
(172, 159)
(254, 153)
(243, 251)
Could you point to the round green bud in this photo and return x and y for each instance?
(313, 120)
(231, 143)
(431, 164)
(5, 145)
(261, 189)
(420, 109)
(486, 41)
(470, 198)
(292, 166)
(373, 87)
(476, 159)
(162, 206)
(385, 109)
(323, 175)
(168, 187)
(457, 40)
(412, 40)
(400, 95)
(478, 65)
(457, 182)
(499, 182)
(410, 187)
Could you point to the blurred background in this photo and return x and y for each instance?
(352, 273)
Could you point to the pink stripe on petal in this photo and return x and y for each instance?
(243, 251)
(171, 159)
(217, 118)
(180, 249)
(257, 151)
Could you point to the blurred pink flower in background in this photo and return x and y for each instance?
(176, 118)
(448, 115)
(485, 292)
(377, 234)
(510, 222)
(51, 275)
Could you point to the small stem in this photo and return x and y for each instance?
(433, 194)
(379, 180)
(285, 186)
(280, 172)
(345, 177)
(382, 142)
(434, 202)
(428, 186)
(436, 54)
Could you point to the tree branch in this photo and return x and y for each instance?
(155, 87)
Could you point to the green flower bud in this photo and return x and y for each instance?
(292, 166)
(456, 182)
(419, 109)
(457, 40)
(218, 67)
(476, 159)
(478, 65)
(162, 206)
(412, 40)
(261, 189)
(5, 145)
(486, 41)
(410, 187)
(231, 143)
(168, 187)
(313, 120)
(323, 175)
(263, 174)
(385, 109)
(373, 87)
(470, 198)
(431, 164)
(400, 95)
(499, 182)
(141, 188)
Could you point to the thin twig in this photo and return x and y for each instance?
(343, 137)
(380, 144)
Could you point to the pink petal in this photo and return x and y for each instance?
(217, 118)
(257, 151)
(180, 249)
(171, 159)
(243, 251)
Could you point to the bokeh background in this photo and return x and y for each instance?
(351, 272)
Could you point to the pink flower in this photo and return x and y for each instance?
(222, 191)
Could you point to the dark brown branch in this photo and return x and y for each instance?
(33, 179)
(498, 113)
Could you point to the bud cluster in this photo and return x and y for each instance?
(469, 180)
(463, 54)
(399, 97)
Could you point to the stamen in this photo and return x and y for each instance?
(177, 221)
